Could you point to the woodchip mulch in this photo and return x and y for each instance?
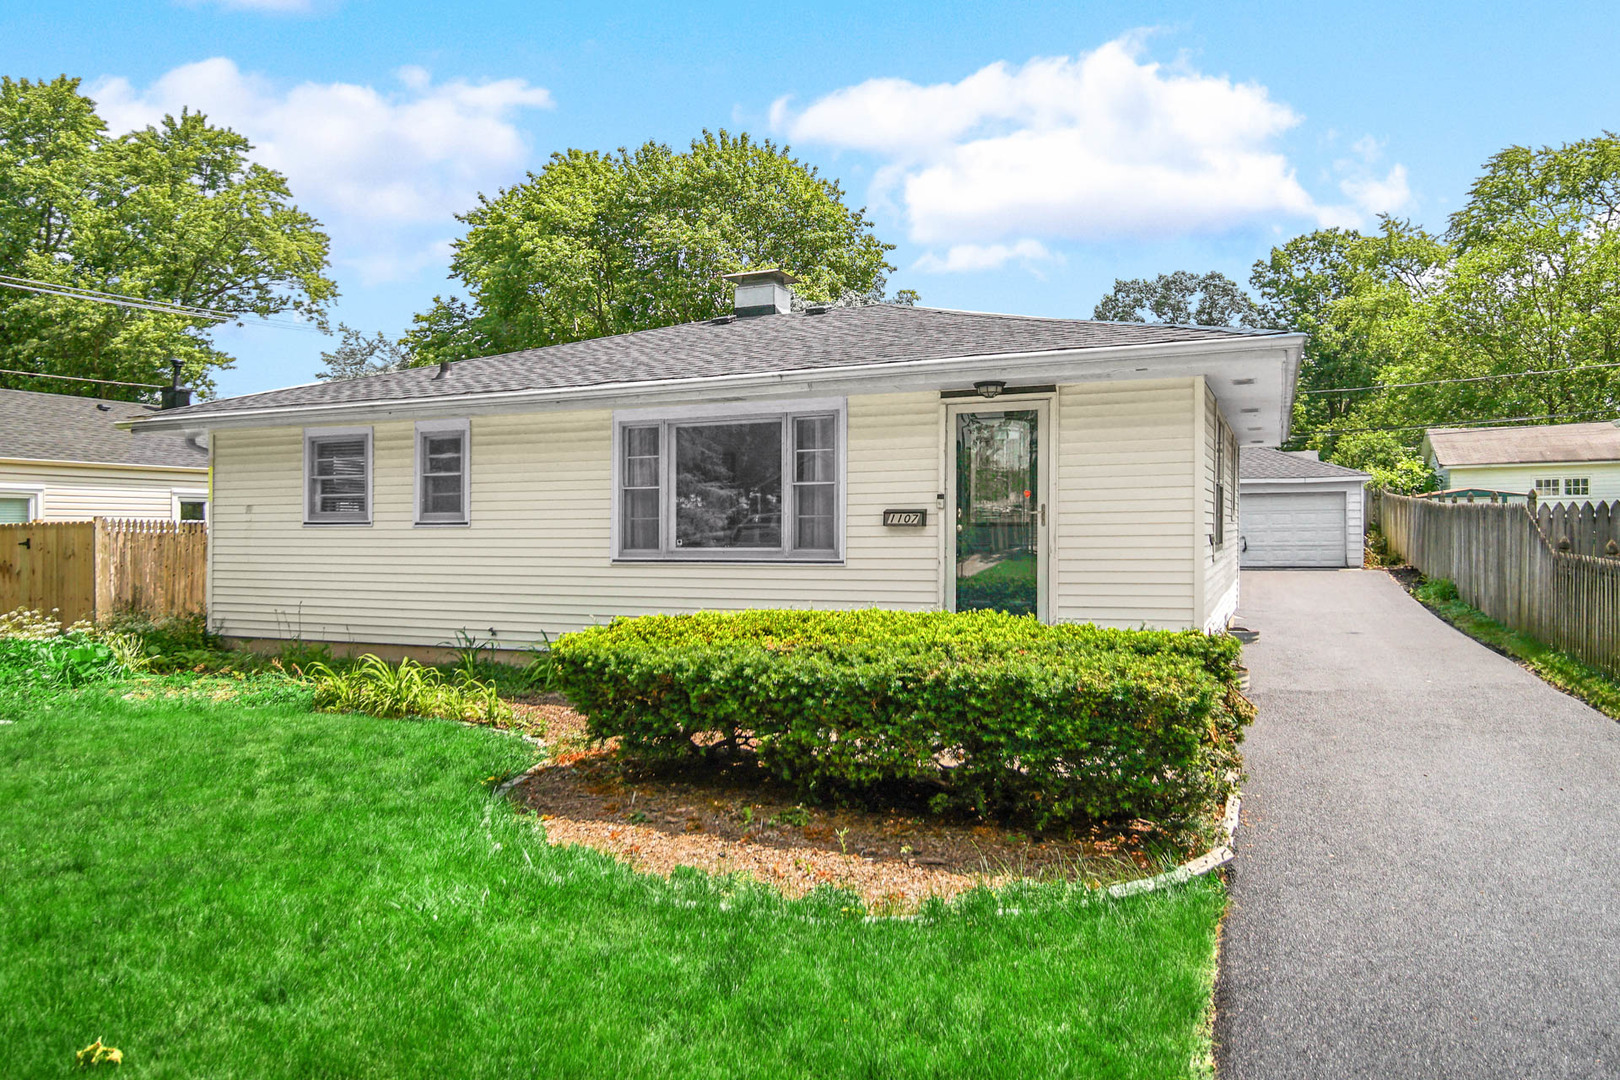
(729, 822)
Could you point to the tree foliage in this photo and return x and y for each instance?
(1211, 299)
(174, 212)
(1526, 278)
(357, 355)
(597, 244)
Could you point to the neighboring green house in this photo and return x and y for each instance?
(1559, 462)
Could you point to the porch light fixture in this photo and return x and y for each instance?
(990, 388)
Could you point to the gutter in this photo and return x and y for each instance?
(648, 391)
(59, 462)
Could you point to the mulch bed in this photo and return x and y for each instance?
(722, 822)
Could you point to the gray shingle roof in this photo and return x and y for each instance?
(1264, 463)
(794, 342)
(1526, 445)
(60, 427)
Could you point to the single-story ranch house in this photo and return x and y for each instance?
(64, 458)
(830, 457)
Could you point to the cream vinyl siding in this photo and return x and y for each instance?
(1220, 591)
(536, 557)
(1605, 475)
(1125, 548)
(81, 492)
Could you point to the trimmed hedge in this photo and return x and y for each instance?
(996, 715)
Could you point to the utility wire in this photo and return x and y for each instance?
(77, 378)
(1470, 379)
(165, 307)
(1460, 424)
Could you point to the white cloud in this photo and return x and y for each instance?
(962, 258)
(1372, 195)
(415, 154)
(1103, 146)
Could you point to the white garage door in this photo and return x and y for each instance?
(1303, 529)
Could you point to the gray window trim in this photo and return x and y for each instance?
(311, 437)
(670, 419)
(425, 428)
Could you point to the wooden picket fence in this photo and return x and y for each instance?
(1504, 565)
(1584, 528)
(91, 569)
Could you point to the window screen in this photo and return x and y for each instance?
(640, 518)
(339, 478)
(815, 483)
(193, 510)
(441, 461)
(13, 509)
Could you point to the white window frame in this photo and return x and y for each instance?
(311, 435)
(1548, 485)
(180, 495)
(425, 428)
(1583, 481)
(34, 493)
(669, 418)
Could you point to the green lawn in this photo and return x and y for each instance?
(228, 889)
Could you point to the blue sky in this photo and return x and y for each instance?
(1021, 156)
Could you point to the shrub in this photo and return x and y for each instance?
(372, 686)
(992, 714)
(1436, 591)
(70, 659)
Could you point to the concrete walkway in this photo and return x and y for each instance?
(1427, 881)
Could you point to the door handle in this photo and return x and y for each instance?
(1043, 515)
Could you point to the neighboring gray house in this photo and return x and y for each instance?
(901, 457)
(1299, 511)
(63, 459)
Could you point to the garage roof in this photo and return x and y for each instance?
(1525, 445)
(1264, 463)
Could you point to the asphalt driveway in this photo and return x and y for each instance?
(1427, 881)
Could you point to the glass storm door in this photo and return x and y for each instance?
(1000, 512)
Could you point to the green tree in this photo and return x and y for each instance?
(1525, 279)
(1211, 299)
(175, 213)
(597, 244)
(357, 355)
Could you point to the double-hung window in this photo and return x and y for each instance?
(442, 473)
(337, 474)
(733, 484)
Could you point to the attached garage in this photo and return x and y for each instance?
(1297, 511)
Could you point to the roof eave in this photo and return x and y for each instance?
(884, 376)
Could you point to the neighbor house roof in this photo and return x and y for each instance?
(61, 427)
(1525, 445)
(1264, 463)
(730, 346)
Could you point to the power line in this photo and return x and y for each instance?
(164, 307)
(1458, 424)
(77, 378)
(1470, 379)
